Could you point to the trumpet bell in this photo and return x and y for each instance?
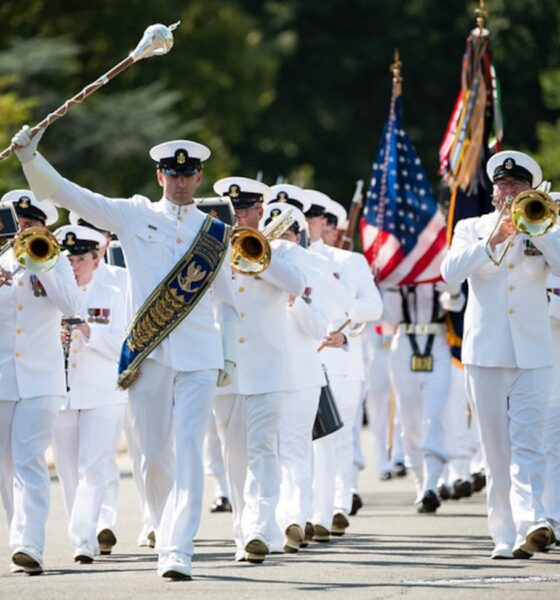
(36, 249)
(250, 251)
(534, 212)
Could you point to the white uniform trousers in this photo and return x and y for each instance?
(422, 397)
(169, 413)
(457, 428)
(551, 437)
(296, 457)
(248, 427)
(108, 513)
(511, 405)
(26, 429)
(377, 405)
(348, 394)
(84, 443)
(359, 459)
(214, 460)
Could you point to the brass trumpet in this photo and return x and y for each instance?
(250, 248)
(533, 212)
(36, 249)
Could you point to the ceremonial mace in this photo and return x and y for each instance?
(156, 41)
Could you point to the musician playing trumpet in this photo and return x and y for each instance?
(32, 383)
(507, 354)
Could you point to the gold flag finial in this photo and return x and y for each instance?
(481, 15)
(396, 70)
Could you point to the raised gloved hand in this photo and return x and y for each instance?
(27, 145)
(225, 375)
(452, 290)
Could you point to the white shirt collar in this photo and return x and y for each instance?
(174, 210)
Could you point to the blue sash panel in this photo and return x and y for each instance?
(174, 298)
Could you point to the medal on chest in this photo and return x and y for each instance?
(99, 315)
(37, 286)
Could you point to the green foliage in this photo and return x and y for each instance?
(292, 88)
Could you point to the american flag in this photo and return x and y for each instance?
(403, 232)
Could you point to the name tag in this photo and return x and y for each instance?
(422, 362)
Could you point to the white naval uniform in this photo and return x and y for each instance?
(32, 384)
(422, 395)
(248, 411)
(171, 401)
(88, 429)
(308, 323)
(345, 368)
(507, 354)
(551, 493)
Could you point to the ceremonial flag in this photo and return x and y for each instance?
(473, 134)
(403, 232)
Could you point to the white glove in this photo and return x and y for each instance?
(443, 286)
(225, 375)
(27, 145)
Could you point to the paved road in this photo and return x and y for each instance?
(388, 552)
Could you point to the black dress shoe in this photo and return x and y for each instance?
(221, 504)
(356, 505)
(478, 481)
(429, 503)
(461, 489)
(386, 476)
(443, 492)
(400, 469)
(106, 540)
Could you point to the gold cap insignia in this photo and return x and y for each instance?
(70, 239)
(181, 157)
(282, 197)
(213, 213)
(234, 191)
(24, 202)
(1, 224)
(275, 212)
(509, 164)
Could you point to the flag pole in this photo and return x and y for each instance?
(396, 91)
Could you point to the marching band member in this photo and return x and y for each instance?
(248, 412)
(308, 321)
(507, 354)
(87, 432)
(170, 390)
(106, 525)
(344, 366)
(420, 373)
(32, 382)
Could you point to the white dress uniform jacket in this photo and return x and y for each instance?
(512, 296)
(31, 357)
(154, 236)
(263, 352)
(92, 364)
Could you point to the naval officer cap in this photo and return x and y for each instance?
(336, 214)
(242, 191)
(290, 194)
(180, 157)
(276, 209)
(511, 163)
(26, 205)
(319, 203)
(75, 219)
(77, 239)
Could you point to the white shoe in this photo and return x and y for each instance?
(29, 559)
(84, 554)
(240, 555)
(177, 565)
(502, 551)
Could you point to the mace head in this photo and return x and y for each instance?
(156, 41)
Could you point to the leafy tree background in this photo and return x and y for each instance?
(297, 89)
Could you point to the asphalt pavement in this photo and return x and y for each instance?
(389, 551)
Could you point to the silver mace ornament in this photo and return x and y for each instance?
(156, 41)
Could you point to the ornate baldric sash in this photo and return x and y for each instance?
(174, 298)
